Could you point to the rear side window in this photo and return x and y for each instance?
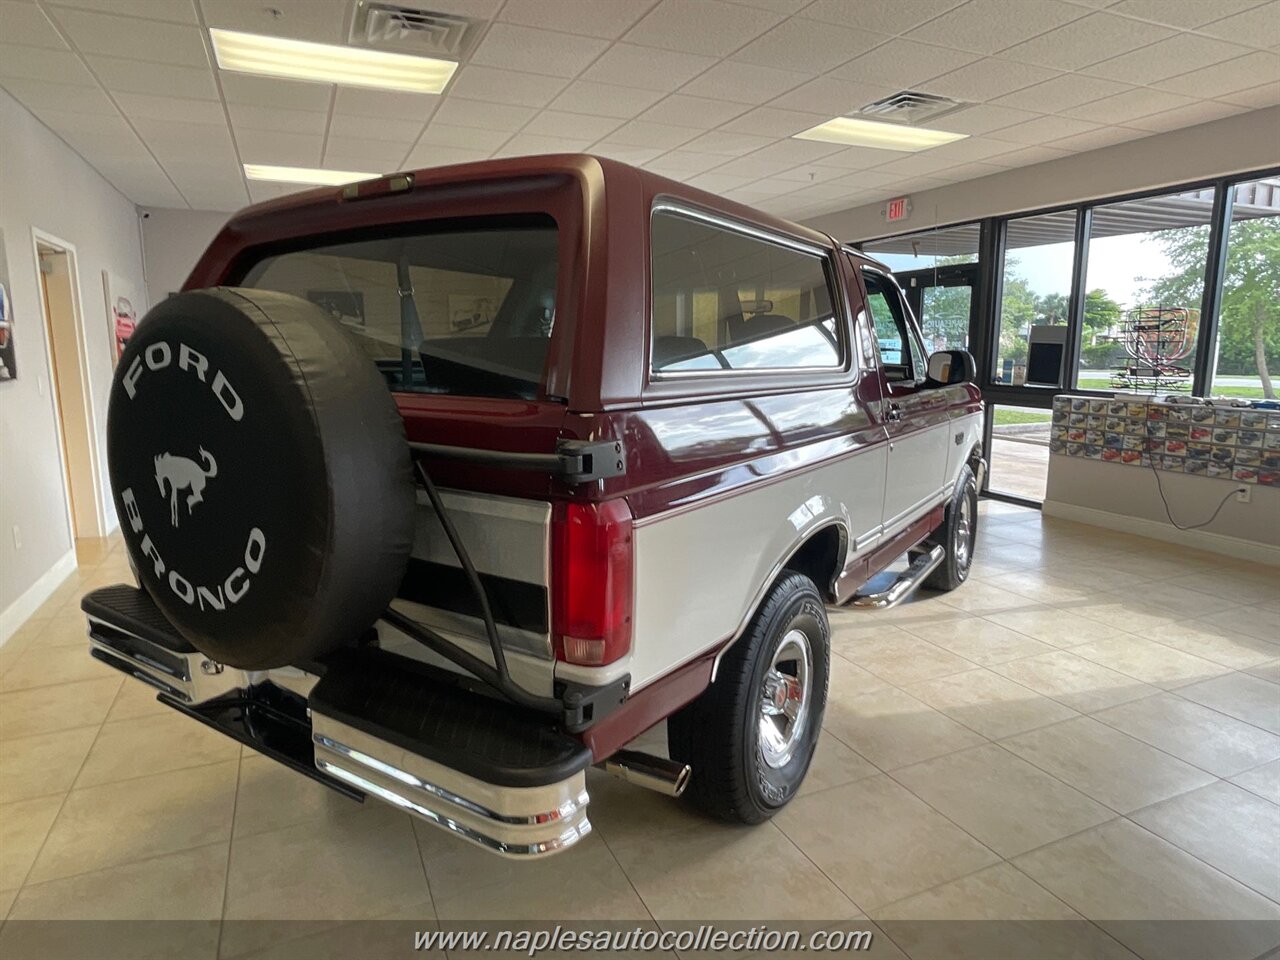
(726, 300)
(466, 310)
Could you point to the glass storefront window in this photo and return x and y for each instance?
(1020, 451)
(1248, 348)
(927, 248)
(1036, 288)
(1144, 283)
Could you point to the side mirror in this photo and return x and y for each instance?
(951, 366)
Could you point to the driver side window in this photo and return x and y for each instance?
(901, 354)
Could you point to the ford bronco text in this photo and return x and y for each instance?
(444, 486)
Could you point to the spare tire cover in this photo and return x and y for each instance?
(261, 475)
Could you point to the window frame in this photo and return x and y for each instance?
(914, 338)
(759, 378)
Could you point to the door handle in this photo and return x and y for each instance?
(893, 413)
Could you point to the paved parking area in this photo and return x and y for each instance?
(1082, 739)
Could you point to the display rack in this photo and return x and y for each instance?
(1155, 341)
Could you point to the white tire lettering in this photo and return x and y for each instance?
(131, 378)
(182, 587)
(189, 359)
(227, 395)
(215, 600)
(131, 510)
(234, 593)
(149, 549)
(158, 355)
(252, 557)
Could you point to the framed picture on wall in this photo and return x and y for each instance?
(8, 365)
(122, 312)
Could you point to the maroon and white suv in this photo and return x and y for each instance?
(445, 486)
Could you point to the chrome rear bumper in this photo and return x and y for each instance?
(280, 713)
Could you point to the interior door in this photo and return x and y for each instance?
(915, 418)
(944, 301)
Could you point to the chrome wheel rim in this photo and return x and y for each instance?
(964, 531)
(784, 700)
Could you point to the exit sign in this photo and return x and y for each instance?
(898, 209)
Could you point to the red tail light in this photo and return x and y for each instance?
(591, 582)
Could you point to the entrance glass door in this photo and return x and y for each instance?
(943, 300)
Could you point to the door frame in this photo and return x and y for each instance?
(38, 238)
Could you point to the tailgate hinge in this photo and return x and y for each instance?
(583, 461)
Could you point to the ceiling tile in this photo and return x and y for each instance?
(142, 106)
(605, 99)
(974, 148)
(714, 182)
(772, 122)
(36, 63)
(987, 26)
(1177, 55)
(126, 37)
(269, 92)
(728, 144)
(392, 104)
(1027, 156)
(26, 24)
(1184, 14)
(531, 50)
(184, 172)
(811, 44)
(466, 138)
(764, 189)
(832, 96)
(435, 155)
(1258, 27)
(797, 151)
(1138, 102)
(925, 162)
(487, 116)
(683, 163)
(177, 11)
(609, 19)
(810, 173)
(1061, 93)
(279, 147)
(982, 118)
(1265, 95)
(403, 132)
(987, 79)
(754, 166)
(1044, 129)
(188, 141)
(136, 76)
(1098, 36)
(368, 156)
(697, 112)
(640, 133)
(887, 16)
(903, 63)
(105, 124)
(572, 126)
(624, 154)
(1202, 111)
(37, 95)
(865, 179)
(1225, 78)
(475, 82)
(262, 190)
(709, 27)
(743, 82)
(322, 21)
(246, 116)
(529, 144)
(1097, 139)
(646, 67)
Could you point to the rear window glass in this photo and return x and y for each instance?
(466, 310)
(725, 300)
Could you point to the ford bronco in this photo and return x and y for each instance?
(444, 486)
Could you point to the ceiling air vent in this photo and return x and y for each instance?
(910, 108)
(414, 30)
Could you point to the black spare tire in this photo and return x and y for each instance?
(261, 475)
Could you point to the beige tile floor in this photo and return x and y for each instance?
(1083, 738)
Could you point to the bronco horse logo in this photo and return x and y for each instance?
(182, 473)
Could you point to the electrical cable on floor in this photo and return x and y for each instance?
(1168, 512)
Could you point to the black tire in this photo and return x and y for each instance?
(958, 534)
(719, 733)
(261, 476)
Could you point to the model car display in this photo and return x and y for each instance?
(450, 565)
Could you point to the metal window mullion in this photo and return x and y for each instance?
(1211, 300)
(1076, 301)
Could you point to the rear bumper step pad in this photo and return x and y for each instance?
(374, 724)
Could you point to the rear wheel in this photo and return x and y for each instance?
(750, 736)
(957, 535)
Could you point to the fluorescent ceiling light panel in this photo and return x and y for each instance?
(883, 136)
(329, 63)
(328, 178)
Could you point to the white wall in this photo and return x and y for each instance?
(1247, 141)
(173, 241)
(44, 184)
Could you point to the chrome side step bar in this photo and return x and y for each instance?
(906, 584)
